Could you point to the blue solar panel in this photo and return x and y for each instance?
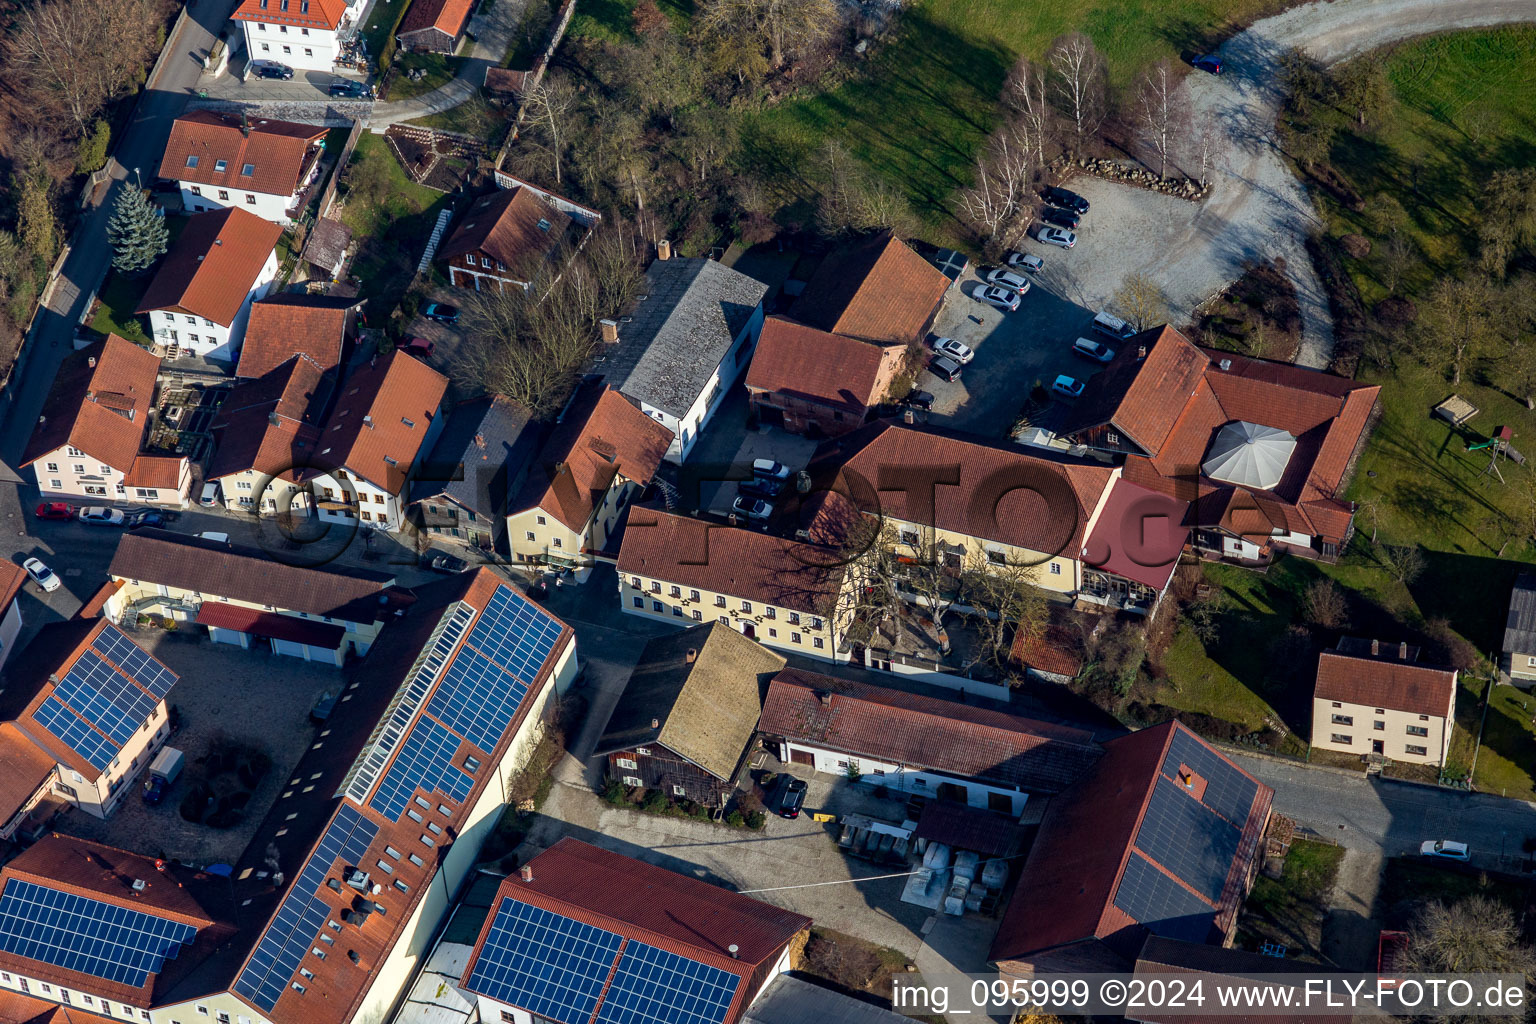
(653, 986)
(482, 690)
(1228, 791)
(113, 645)
(425, 761)
(79, 934)
(1188, 838)
(104, 698)
(1161, 904)
(74, 733)
(302, 913)
(544, 963)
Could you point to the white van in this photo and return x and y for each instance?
(1112, 326)
(210, 496)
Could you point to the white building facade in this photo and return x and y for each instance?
(199, 336)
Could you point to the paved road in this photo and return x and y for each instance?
(1258, 208)
(1394, 817)
(493, 33)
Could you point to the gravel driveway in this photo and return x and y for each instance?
(1257, 208)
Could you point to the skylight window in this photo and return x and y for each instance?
(221, 165)
(191, 161)
(543, 224)
(248, 169)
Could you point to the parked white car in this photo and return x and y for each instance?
(770, 469)
(1024, 261)
(1057, 236)
(752, 508)
(41, 575)
(1067, 387)
(1445, 848)
(959, 352)
(100, 516)
(1007, 279)
(1003, 298)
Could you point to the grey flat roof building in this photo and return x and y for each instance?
(693, 310)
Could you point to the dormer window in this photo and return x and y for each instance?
(409, 423)
(284, 5)
(191, 161)
(221, 165)
(390, 460)
(248, 169)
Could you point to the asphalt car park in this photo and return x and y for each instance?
(1014, 352)
(240, 82)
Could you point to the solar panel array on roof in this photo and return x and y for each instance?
(475, 699)
(1161, 904)
(479, 694)
(653, 986)
(1228, 791)
(1187, 838)
(106, 696)
(544, 963)
(80, 934)
(302, 913)
(425, 761)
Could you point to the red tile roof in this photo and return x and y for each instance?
(1057, 649)
(324, 14)
(447, 16)
(213, 266)
(276, 152)
(803, 362)
(12, 578)
(876, 289)
(1143, 395)
(283, 326)
(380, 421)
(25, 768)
(271, 624)
(600, 436)
(505, 225)
(734, 561)
(162, 472)
(970, 485)
(665, 909)
(1066, 893)
(16, 1008)
(1385, 683)
(100, 403)
(270, 425)
(1139, 535)
(925, 732)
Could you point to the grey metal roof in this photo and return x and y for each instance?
(790, 1000)
(677, 335)
(1520, 627)
(481, 456)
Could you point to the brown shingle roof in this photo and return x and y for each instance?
(276, 152)
(1057, 649)
(505, 225)
(162, 472)
(706, 708)
(100, 403)
(646, 903)
(1385, 683)
(876, 289)
(282, 326)
(213, 266)
(447, 16)
(600, 436)
(270, 424)
(380, 421)
(216, 569)
(964, 484)
(740, 563)
(25, 767)
(308, 13)
(803, 362)
(925, 732)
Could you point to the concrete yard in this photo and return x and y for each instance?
(258, 699)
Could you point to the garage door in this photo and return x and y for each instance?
(798, 756)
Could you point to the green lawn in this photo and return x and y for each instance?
(474, 117)
(392, 219)
(926, 99)
(1406, 881)
(381, 19)
(1287, 909)
(440, 70)
(1507, 757)
(119, 297)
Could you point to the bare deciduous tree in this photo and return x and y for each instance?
(1473, 935)
(853, 199)
(1404, 563)
(1455, 323)
(78, 54)
(549, 106)
(1079, 85)
(1209, 138)
(1324, 605)
(1024, 96)
(1394, 257)
(784, 26)
(1159, 112)
(1008, 602)
(997, 205)
(1141, 301)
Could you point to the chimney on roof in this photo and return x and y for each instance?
(1141, 351)
(91, 362)
(664, 249)
(139, 885)
(479, 440)
(525, 872)
(693, 655)
(610, 330)
(245, 124)
(733, 949)
(1402, 651)
(655, 723)
(218, 241)
(825, 696)
(1375, 647)
(368, 422)
(908, 417)
(1225, 364)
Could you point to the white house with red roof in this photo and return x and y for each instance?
(302, 34)
(260, 165)
(582, 933)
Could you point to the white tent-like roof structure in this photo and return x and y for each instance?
(1249, 455)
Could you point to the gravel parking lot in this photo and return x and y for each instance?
(1014, 351)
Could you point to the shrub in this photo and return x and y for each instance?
(91, 153)
(736, 819)
(1396, 312)
(755, 819)
(615, 793)
(1357, 246)
(655, 801)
